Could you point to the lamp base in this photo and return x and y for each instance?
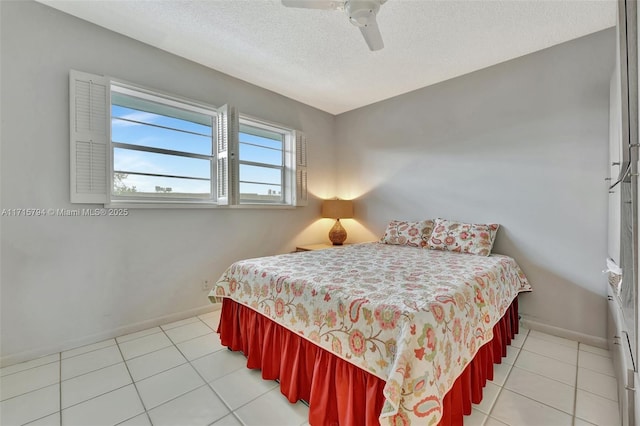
(337, 235)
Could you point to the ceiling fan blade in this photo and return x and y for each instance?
(314, 4)
(372, 36)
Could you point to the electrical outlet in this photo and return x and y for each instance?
(205, 285)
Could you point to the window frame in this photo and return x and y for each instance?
(174, 102)
(286, 182)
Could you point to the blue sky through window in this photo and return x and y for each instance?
(182, 174)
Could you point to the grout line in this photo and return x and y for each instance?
(136, 338)
(88, 352)
(203, 321)
(575, 387)
(539, 402)
(544, 375)
(29, 391)
(147, 353)
(209, 384)
(30, 368)
(144, 407)
(92, 371)
(60, 389)
(95, 396)
(232, 414)
(505, 380)
(199, 375)
(124, 361)
(528, 397)
(115, 343)
(597, 395)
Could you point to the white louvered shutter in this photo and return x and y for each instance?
(301, 198)
(226, 156)
(89, 131)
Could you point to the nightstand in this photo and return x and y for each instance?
(321, 246)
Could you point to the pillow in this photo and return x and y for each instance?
(462, 237)
(404, 233)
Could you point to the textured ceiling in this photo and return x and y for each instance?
(319, 58)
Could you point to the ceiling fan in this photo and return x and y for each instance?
(361, 13)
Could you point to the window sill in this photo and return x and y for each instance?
(181, 205)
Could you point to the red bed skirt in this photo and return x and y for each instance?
(338, 392)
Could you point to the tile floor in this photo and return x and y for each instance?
(179, 374)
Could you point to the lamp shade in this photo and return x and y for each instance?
(337, 209)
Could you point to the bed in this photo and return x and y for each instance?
(373, 333)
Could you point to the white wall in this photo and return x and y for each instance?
(524, 144)
(67, 281)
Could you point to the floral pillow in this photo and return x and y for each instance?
(413, 234)
(462, 237)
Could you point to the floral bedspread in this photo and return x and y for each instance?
(413, 317)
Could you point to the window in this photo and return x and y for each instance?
(262, 170)
(160, 149)
(135, 147)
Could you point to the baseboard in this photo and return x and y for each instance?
(110, 334)
(587, 339)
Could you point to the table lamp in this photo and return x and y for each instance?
(337, 209)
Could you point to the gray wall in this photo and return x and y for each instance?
(67, 281)
(524, 144)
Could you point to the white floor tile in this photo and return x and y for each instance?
(144, 345)
(188, 332)
(179, 323)
(542, 389)
(274, 409)
(598, 383)
(489, 396)
(548, 367)
(155, 362)
(138, 334)
(90, 385)
(551, 349)
(201, 346)
(241, 386)
(88, 348)
(106, 410)
(29, 380)
(596, 362)
(167, 385)
(50, 420)
(595, 350)
(580, 422)
(517, 410)
(555, 339)
(213, 314)
(518, 339)
(200, 407)
(512, 354)
(139, 420)
(91, 361)
(212, 320)
(229, 420)
(476, 418)
(596, 409)
(219, 364)
(15, 368)
(30, 406)
(493, 422)
(500, 373)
